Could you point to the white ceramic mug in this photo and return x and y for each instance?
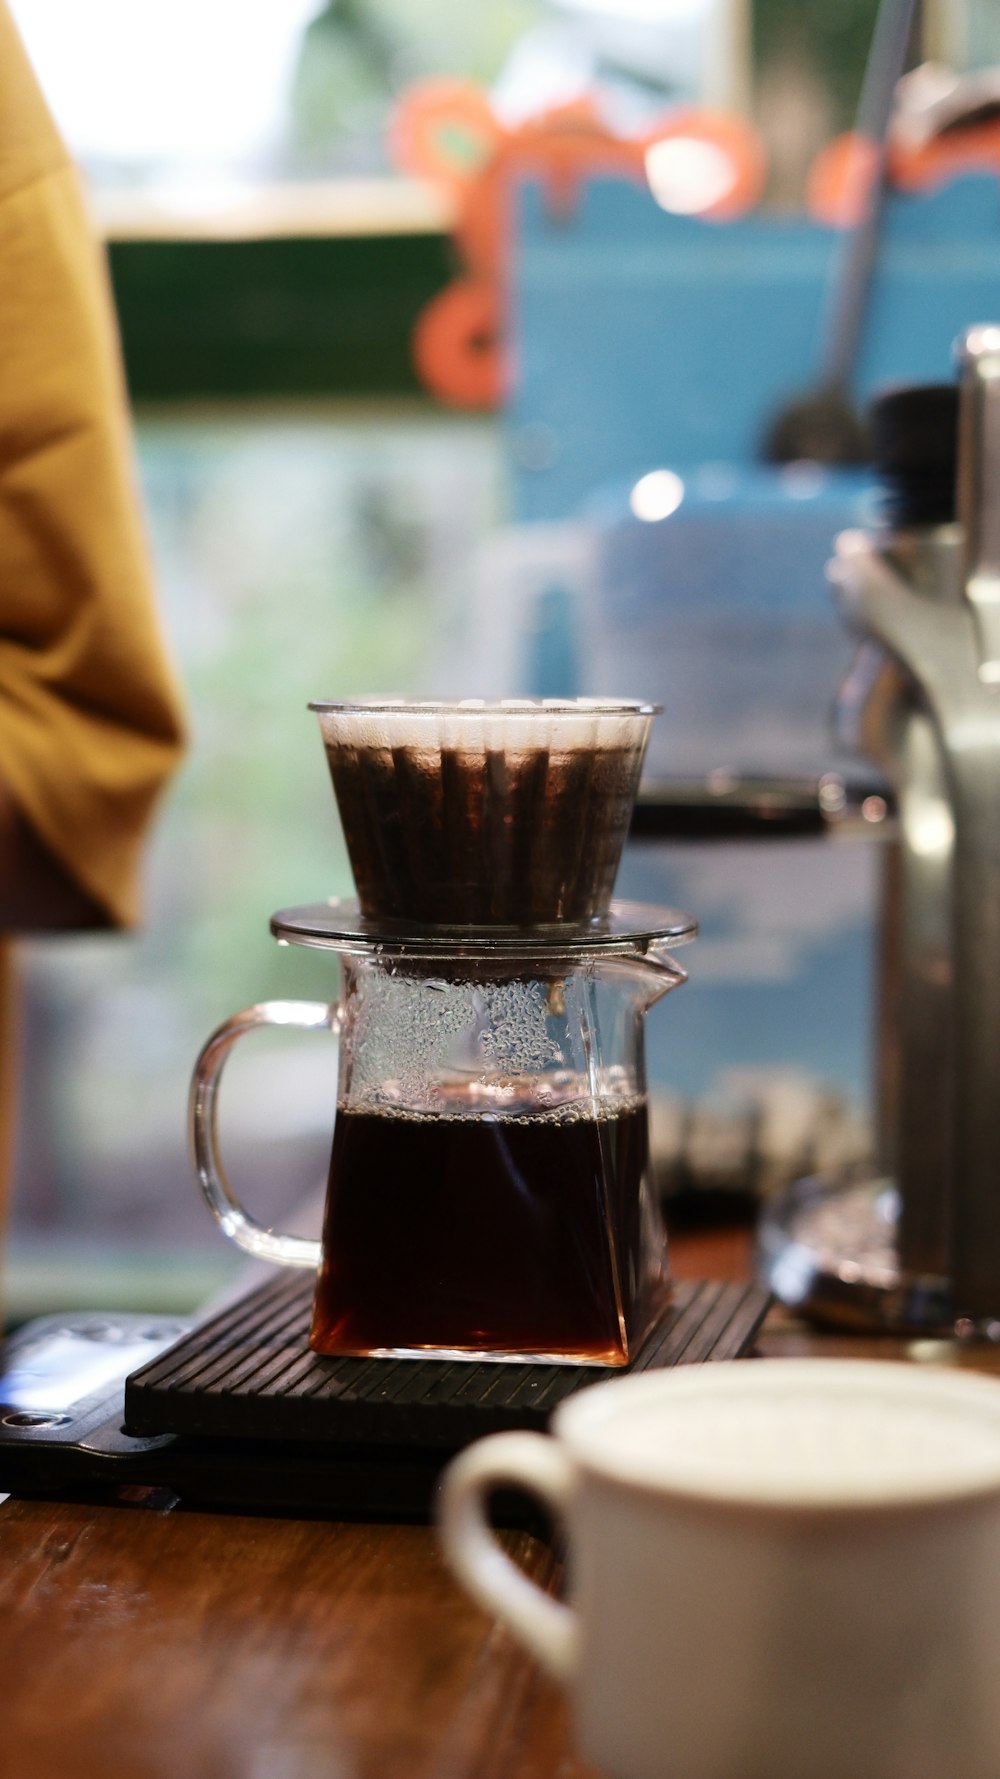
(777, 1570)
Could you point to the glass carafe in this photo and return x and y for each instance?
(490, 1192)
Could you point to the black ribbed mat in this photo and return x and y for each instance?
(249, 1374)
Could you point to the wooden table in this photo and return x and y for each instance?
(144, 1643)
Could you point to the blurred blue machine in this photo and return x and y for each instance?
(654, 554)
(645, 339)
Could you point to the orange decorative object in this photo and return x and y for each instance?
(696, 161)
(842, 173)
(704, 163)
(456, 345)
(974, 148)
(840, 180)
(444, 130)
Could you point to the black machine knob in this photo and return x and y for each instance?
(914, 438)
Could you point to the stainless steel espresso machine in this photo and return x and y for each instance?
(916, 1246)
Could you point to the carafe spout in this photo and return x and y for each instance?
(653, 974)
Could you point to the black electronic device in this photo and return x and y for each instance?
(238, 1413)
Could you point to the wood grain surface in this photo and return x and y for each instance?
(148, 1645)
(142, 1641)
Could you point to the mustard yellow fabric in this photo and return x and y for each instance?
(90, 716)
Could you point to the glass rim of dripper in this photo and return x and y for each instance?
(478, 707)
(629, 929)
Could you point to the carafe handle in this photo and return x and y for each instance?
(233, 1220)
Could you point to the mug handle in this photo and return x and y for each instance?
(233, 1220)
(538, 1464)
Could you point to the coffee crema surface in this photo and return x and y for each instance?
(483, 815)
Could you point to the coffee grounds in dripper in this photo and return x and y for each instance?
(453, 829)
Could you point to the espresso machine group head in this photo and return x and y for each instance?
(916, 1244)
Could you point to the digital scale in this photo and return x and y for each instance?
(238, 1413)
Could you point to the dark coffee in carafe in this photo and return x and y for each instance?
(521, 1234)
